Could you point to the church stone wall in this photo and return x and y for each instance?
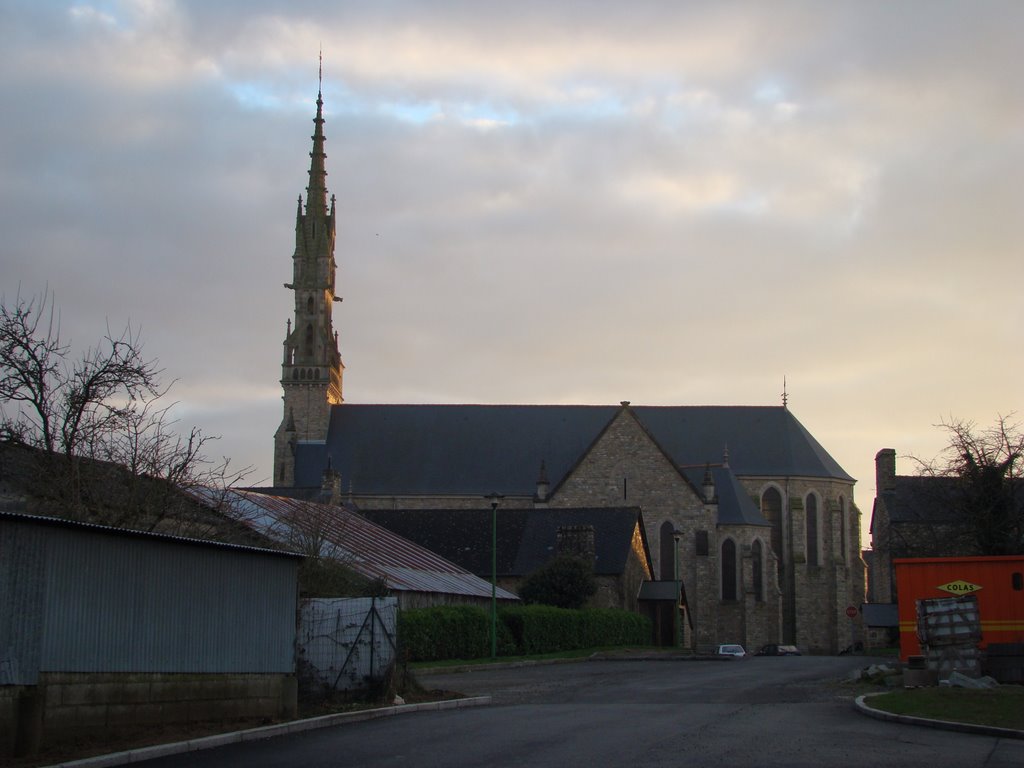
(816, 596)
(625, 466)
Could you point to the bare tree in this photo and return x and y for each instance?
(62, 403)
(982, 482)
(108, 449)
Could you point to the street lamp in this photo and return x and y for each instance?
(676, 536)
(494, 497)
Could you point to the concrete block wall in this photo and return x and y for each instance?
(72, 703)
(10, 701)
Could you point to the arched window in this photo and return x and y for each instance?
(667, 551)
(729, 570)
(309, 340)
(842, 530)
(771, 508)
(811, 506)
(309, 305)
(757, 566)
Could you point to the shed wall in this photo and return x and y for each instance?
(114, 603)
(22, 573)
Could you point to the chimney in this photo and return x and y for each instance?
(885, 470)
(709, 485)
(540, 499)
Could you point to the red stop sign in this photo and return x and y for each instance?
(851, 612)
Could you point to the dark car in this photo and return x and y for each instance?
(778, 650)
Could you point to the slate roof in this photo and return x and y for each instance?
(526, 537)
(406, 450)
(920, 499)
(735, 506)
(880, 614)
(925, 499)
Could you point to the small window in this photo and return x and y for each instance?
(701, 543)
(1018, 581)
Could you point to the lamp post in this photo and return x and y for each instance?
(494, 497)
(676, 535)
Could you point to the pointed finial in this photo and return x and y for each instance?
(785, 394)
(320, 89)
(725, 456)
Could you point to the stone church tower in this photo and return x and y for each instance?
(311, 368)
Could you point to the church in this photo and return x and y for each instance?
(740, 504)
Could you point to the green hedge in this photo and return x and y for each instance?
(464, 632)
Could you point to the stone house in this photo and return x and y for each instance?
(612, 539)
(751, 512)
(915, 516)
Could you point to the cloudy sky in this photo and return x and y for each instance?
(572, 202)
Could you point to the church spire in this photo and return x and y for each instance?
(316, 192)
(311, 371)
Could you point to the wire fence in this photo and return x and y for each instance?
(347, 644)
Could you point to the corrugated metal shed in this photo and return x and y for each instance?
(85, 598)
(367, 548)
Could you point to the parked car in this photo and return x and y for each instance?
(778, 650)
(731, 649)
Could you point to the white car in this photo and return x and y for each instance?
(732, 650)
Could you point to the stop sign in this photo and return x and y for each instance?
(851, 612)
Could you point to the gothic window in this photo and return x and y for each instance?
(309, 340)
(667, 549)
(771, 508)
(842, 529)
(295, 374)
(309, 305)
(757, 566)
(811, 505)
(729, 570)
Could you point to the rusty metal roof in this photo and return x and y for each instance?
(367, 548)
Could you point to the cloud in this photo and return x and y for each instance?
(578, 202)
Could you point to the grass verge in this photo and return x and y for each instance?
(1001, 707)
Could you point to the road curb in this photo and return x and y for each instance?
(265, 732)
(946, 725)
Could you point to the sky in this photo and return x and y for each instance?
(671, 203)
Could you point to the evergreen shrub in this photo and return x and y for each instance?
(464, 632)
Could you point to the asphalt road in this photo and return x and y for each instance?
(757, 712)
